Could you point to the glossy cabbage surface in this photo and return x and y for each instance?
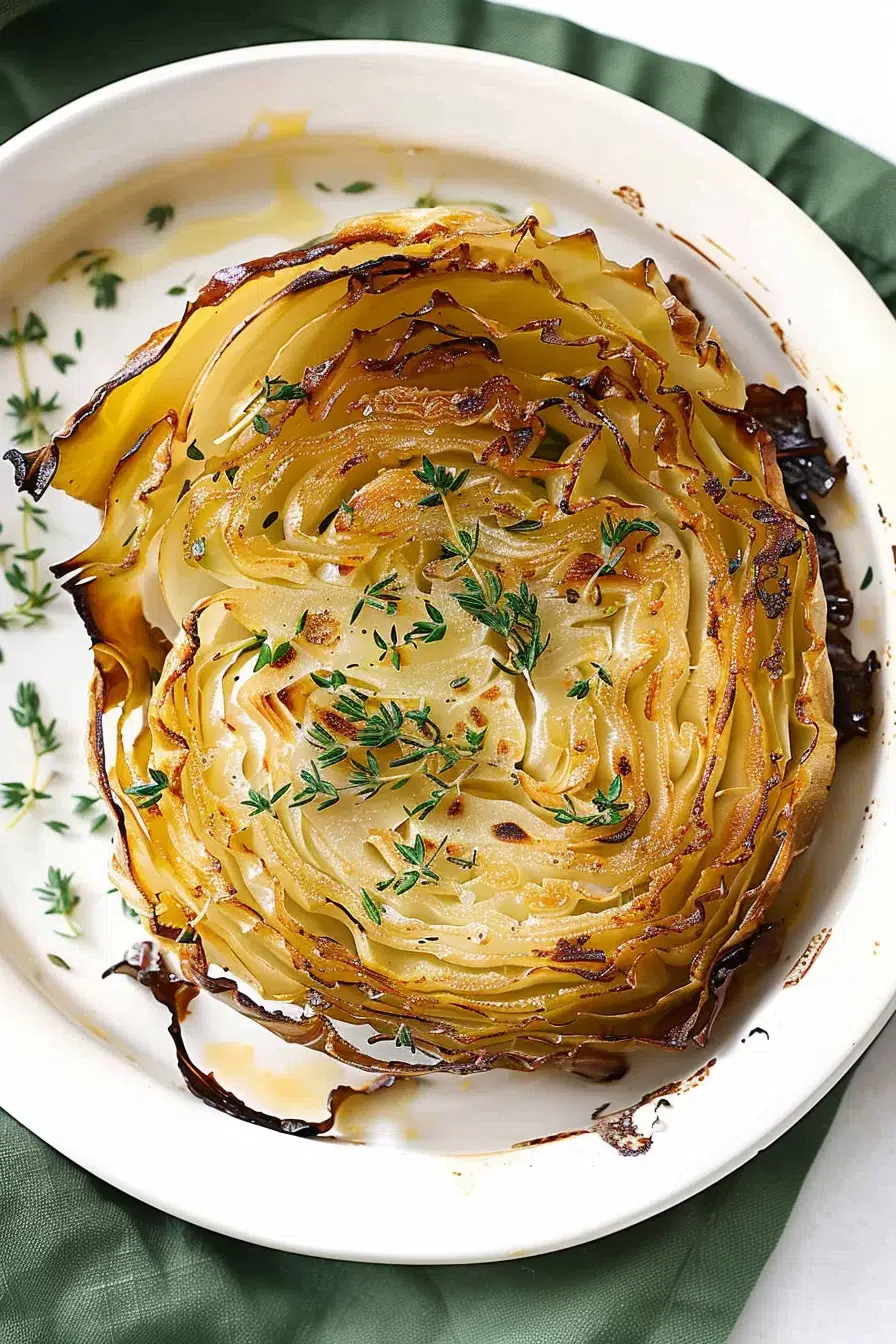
(460, 663)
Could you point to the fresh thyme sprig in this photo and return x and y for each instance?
(34, 331)
(101, 279)
(379, 729)
(17, 794)
(451, 752)
(366, 778)
(404, 1038)
(27, 409)
(462, 547)
(511, 614)
(278, 389)
(315, 787)
(390, 648)
(419, 869)
(272, 390)
(82, 805)
(26, 713)
(608, 809)
(149, 794)
(23, 574)
(613, 534)
(429, 632)
(329, 681)
(442, 482)
(429, 804)
(269, 653)
(381, 596)
(157, 216)
(373, 910)
(580, 689)
(332, 752)
(259, 802)
(94, 263)
(60, 898)
(469, 864)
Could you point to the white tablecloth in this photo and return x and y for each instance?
(832, 1278)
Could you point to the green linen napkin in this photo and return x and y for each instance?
(81, 1263)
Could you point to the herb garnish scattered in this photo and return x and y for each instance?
(869, 575)
(84, 802)
(465, 863)
(608, 809)
(26, 713)
(23, 574)
(387, 725)
(441, 480)
(613, 535)
(157, 216)
(329, 681)
(260, 802)
(178, 291)
(380, 596)
(102, 281)
(34, 331)
(390, 649)
(58, 961)
(403, 1037)
(15, 793)
(431, 631)
(581, 688)
(374, 911)
(332, 752)
(356, 188)
(512, 615)
(60, 898)
(268, 652)
(316, 787)
(419, 868)
(463, 546)
(149, 794)
(272, 389)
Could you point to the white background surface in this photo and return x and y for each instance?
(832, 1278)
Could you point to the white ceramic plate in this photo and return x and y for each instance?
(87, 1063)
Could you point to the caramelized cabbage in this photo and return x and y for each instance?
(460, 665)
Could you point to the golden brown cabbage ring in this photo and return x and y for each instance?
(612, 841)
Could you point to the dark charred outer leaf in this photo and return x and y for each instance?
(807, 471)
(176, 995)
